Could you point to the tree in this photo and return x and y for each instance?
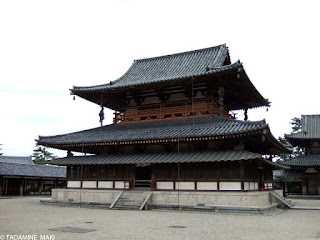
(296, 127)
(296, 124)
(41, 155)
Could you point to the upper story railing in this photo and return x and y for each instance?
(166, 111)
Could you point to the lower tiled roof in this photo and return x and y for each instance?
(166, 129)
(287, 175)
(19, 160)
(15, 169)
(215, 156)
(303, 161)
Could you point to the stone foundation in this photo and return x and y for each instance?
(190, 198)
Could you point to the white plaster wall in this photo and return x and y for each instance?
(185, 185)
(246, 186)
(230, 185)
(207, 186)
(89, 184)
(118, 184)
(105, 184)
(121, 184)
(165, 185)
(73, 184)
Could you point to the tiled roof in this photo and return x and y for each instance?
(208, 65)
(166, 129)
(303, 161)
(27, 170)
(19, 160)
(215, 156)
(310, 128)
(175, 66)
(285, 174)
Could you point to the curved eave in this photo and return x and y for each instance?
(159, 158)
(276, 165)
(299, 140)
(80, 145)
(278, 147)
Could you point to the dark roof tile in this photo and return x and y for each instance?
(166, 129)
(303, 161)
(15, 169)
(215, 156)
(169, 67)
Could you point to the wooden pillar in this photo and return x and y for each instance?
(81, 175)
(221, 100)
(1, 183)
(304, 184)
(242, 177)
(39, 186)
(318, 181)
(56, 183)
(246, 114)
(113, 177)
(153, 178)
(21, 187)
(219, 175)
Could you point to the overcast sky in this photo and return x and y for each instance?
(47, 47)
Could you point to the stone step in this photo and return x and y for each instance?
(132, 197)
(128, 207)
(131, 200)
(130, 203)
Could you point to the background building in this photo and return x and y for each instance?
(20, 176)
(304, 175)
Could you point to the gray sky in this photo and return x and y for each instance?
(46, 47)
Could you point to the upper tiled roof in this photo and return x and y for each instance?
(175, 66)
(303, 161)
(19, 160)
(310, 128)
(27, 170)
(215, 156)
(166, 129)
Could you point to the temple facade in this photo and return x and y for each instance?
(174, 131)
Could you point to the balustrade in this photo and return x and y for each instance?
(167, 111)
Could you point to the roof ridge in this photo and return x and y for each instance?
(182, 53)
(37, 165)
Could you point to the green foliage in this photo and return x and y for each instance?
(41, 155)
(296, 127)
(296, 124)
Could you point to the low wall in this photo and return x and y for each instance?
(194, 198)
(87, 195)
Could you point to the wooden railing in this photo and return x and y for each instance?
(167, 111)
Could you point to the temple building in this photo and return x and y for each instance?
(303, 177)
(19, 176)
(174, 134)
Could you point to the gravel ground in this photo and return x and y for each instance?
(26, 216)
